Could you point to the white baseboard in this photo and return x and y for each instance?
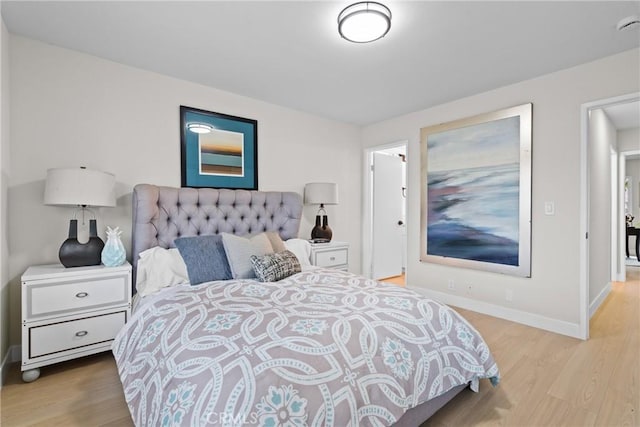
(529, 319)
(14, 354)
(597, 302)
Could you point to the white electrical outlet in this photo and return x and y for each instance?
(549, 208)
(508, 295)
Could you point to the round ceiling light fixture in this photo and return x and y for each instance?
(199, 127)
(364, 22)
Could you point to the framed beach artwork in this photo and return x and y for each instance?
(218, 150)
(476, 192)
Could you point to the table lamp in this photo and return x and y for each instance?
(80, 187)
(321, 193)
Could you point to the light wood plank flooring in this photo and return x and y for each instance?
(547, 379)
(396, 280)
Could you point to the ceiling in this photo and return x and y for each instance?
(625, 115)
(289, 53)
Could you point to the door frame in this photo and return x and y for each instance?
(367, 201)
(585, 109)
(615, 221)
(622, 231)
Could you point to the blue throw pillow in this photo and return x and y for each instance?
(204, 257)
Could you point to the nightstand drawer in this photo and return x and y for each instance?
(331, 258)
(71, 312)
(76, 294)
(58, 337)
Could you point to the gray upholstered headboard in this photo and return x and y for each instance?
(160, 214)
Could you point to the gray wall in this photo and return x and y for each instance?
(551, 297)
(4, 182)
(124, 120)
(70, 109)
(629, 142)
(632, 170)
(602, 140)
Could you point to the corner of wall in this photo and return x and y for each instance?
(598, 300)
(14, 355)
(4, 184)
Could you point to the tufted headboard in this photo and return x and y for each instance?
(160, 214)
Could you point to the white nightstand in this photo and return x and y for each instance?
(71, 312)
(331, 255)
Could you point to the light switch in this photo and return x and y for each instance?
(549, 208)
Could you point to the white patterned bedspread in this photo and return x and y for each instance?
(321, 348)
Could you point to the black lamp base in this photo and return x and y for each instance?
(322, 231)
(75, 254)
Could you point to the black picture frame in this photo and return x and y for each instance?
(224, 155)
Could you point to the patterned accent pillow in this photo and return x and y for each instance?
(276, 266)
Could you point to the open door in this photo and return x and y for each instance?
(388, 221)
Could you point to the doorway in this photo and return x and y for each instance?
(601, 225)
(384, 223)
(629, 206)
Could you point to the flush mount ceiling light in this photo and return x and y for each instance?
(364, 22)
(199, 127)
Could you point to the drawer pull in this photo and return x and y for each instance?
(81, 333)
(332, 258)
(82, 295)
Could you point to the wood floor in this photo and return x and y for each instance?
(547, 379)
(396, 280)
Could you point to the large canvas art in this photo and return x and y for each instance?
(476, 192)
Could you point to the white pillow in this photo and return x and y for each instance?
(239, 251)
(159, 268)
(301, 248)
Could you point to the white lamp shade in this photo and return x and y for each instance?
(78, 187)
(316, 193)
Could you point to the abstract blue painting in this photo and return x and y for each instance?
(476, 192)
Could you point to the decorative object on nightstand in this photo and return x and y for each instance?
(113, 253)
(80, 187)
(321, 193)
(331, 255)
(69, 313)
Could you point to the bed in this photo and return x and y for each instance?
(320, 347)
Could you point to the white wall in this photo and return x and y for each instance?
(632, 170)
(71, 109)
(550, 298)
(629, 140)
(602, 139)
(4, 182)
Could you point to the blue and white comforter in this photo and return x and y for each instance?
(320, 348)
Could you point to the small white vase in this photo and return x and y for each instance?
(113, 253)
